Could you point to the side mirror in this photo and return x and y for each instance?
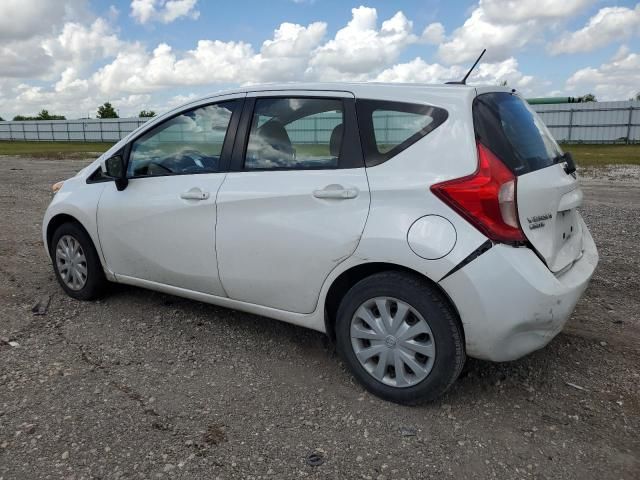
(115, 169)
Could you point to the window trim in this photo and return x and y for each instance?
(365, 108)
(227, 144)
(351, 151)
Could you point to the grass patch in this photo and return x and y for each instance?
(54, 149)
(601, 155)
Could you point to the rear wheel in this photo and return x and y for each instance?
(400, 338)
(76, 263)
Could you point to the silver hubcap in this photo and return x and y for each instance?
(392, 341)
(71, 262)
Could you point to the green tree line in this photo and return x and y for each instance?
(105, 110)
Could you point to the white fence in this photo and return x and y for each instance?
(593, 122)
(83, 130)
(596, 122)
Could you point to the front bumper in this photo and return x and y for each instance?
(510, 303)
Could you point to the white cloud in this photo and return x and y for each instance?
(517, 11)
(420, 71)
(360, 47)
(164, 11)
(82, 44)
(284, 57)
(24, 19)
(608, 25)
(24, 26)
(504, 26)
(433, 33)
(76, 61)
(615, 80)
(24, 58)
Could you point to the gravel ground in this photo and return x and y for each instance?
(145, 385)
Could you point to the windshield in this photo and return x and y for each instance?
(506, 125)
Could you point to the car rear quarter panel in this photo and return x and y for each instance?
(400, 187)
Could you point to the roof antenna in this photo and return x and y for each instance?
(464, 80)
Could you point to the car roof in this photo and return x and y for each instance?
(356, 88)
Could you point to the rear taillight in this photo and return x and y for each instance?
(487, 198)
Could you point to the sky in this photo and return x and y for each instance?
(70, 56)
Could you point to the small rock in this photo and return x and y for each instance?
(41, 306)
(215, 435)
(64, 455)
(408, 431)
(29, 429)
(315, 459)
(359, 459)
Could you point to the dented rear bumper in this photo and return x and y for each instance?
(511, 304)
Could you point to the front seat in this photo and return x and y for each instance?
(272, 145)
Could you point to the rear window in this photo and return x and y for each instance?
(506, 125)
(387, 128)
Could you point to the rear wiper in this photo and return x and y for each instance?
(566, 157)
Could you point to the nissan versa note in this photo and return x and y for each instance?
(413, 224)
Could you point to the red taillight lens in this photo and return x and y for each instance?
(487, 198)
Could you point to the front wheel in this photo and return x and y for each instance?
(76, 263)
(400, 337)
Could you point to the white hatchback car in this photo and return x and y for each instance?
(412, 224)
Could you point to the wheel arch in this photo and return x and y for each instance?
(347, 279)
(60, 219)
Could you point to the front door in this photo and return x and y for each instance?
(161, 227)
(297, 202)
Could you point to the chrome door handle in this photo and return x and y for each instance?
(194, 194)
(337, 192)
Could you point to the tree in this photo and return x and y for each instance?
(106, 111)
(637, 97)
(589, 97)
(503, 83)
(43, 115)
(1, 119)
(147, 113)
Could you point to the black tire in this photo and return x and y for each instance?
(95, 282)
(439, 315)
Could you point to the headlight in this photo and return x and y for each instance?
(56, 187)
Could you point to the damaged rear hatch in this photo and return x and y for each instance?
(547, 191)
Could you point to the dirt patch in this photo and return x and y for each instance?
(141, 384)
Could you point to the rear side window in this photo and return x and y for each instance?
(295, 133)
(506, 125)
(387, 128)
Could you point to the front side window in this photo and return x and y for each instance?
(186, 144)
(387, 128)
(295, 133)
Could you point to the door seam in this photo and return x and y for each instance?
(215, 235)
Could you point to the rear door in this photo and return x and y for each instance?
(297, 202)
(547, 196)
